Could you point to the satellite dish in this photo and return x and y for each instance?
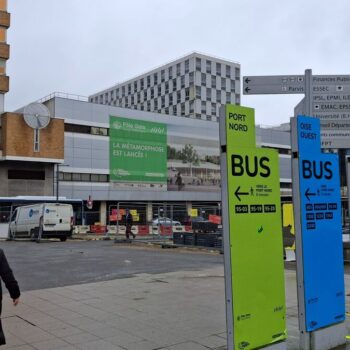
(36, 115)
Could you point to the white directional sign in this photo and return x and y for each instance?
(327, 97)
(274, 84)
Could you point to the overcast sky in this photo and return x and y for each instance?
(83, 46)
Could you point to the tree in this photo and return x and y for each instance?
(189, 155)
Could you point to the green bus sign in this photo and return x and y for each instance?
(255, 235)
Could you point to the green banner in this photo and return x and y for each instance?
(137, 151)
(255, 235)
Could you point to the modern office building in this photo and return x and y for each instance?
(98, 160)
(194, 86)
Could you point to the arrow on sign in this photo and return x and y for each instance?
(238, 194)
(247, 89)
(247, 80)
(308, 194)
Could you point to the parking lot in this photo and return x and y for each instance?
(53, 264)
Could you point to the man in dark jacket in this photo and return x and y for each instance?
(12, 286)
(128, 224)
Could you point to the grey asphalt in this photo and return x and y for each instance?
(55, 264)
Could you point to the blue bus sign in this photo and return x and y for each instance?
(321, 229)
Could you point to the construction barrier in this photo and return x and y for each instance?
(98, 229)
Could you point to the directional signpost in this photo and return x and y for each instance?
(327, 97)
(254, 272)
(317, 212)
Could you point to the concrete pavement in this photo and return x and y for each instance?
(181, 310)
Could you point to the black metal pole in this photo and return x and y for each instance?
(57, 169)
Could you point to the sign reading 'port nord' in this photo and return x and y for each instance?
(255, 237)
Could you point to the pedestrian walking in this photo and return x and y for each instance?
(128, 225)
(179, 182)
(12, 286)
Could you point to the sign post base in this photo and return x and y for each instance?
(328, 338)
(278, 346)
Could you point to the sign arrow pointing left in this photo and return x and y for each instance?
(308, 194)
(238, 194)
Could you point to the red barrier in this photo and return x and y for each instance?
(98, 229)
(188, 228)
(216, 219)
(143, 230)
(165, 230)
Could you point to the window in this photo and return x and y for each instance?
(208, 117)
(213, 108)
(129, 89)
(156, 104)
(191, 78)
(228, 97)
(182, 109)
(233, 85)
(167, 87)
(132, 99)
(148, 106)
(208, 94)
(203, 107)
(218, 95)
(182, 82)
(213, 81)
(187, 66)
(198, 92)
(174, 84)
(123, 91)
(175, 110)
(148, 81)
(170, 73)
(203, 79)
(218, 69)
(191, 106)
(178, 96)
(237, 100)
(138, 97)
(228, 72)
(159, 90)
(163, 101)
(99, 131)
(152, 92)
(237, 73)
(82, 129)
(171, 99)
(198, 64)
(142, 84)
(13, 174)
(223, 83)
(178, 69)
(85, 177)
(67, 176)
(187, 93)
(117, 93)
(162, 75)
(76, 177)
(208, 66)
(198, 116)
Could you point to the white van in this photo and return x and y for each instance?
(44, 220)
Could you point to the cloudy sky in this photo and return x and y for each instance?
(83, 46)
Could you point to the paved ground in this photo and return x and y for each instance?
(55, 264)
(168, 311)
(177, 309)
